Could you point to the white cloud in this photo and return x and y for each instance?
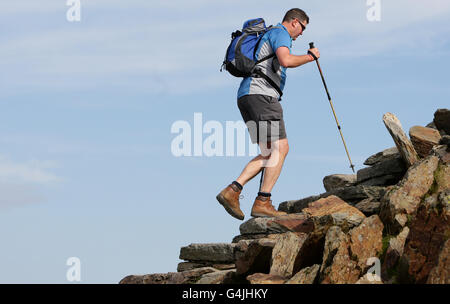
(33, 171)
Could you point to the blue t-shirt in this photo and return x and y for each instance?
(270, 42)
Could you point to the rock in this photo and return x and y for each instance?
(184, 266)
(216, 252)
(394, 252)
(404, 198)
(366, 241)
(307, 275)
(184, 277)
(385, 180)
(390, 170)
(429, 231)
(255, 258)
(445, 140)
(369, 279)
(217, 277)
(402, 142)
(351, 194)
(368, 206)
(296, 206)
(384, 155)
(337, 266)
(441, 273)
(335, 181)
(269, 225)
(255, 236)
(263, 278)
(332, 205)
(442, 120)
(442, 177)
(286, 255)
(431, 125)
(423, 139)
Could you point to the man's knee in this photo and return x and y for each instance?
(284, 146)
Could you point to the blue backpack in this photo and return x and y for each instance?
(240, 56)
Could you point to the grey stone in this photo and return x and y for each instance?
(394, 167)
(335, 181)
(215, 252)
(382, 156)
(442, 120)
(368, 206)
(217, 277)
(402, 142)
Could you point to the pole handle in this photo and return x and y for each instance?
(311, 45)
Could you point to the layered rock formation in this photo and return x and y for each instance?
(389, 223)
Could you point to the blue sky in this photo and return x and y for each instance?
(86, 109)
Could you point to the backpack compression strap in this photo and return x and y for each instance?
(259, 73)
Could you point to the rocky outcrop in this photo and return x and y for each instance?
(402, 142)
(335, 181)
(389, 223)
(424, 139)
(442, 121)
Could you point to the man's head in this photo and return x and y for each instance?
(295, 22)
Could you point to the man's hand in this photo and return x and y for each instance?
(287, 60)
(314, 53)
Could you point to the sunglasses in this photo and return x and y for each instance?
(303, 27)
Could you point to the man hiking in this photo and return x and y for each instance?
(259, 103)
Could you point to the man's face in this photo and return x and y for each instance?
(298, 28)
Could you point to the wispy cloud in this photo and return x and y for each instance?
(170, 46)
(33, 171)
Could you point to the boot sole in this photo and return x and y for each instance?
(230, 211)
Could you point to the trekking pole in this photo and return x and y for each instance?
(261, 180)
(311, 46)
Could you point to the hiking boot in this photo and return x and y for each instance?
(262, 207)
(229, 198)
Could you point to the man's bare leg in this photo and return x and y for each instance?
(274, 164)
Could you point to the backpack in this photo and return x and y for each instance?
(240, 58)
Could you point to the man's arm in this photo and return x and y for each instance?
(287, 60)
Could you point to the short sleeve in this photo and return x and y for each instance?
(278, 38)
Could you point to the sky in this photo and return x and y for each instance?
(87, 168)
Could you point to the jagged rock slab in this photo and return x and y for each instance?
(441, 273)
(442, 120)
(368, 207)
(366, 241)
(394, 252)
(184, 277)
(331, 205)
(337, 266)
(291, 222)
(263, 278)
(351, 194)
(383, 171)
(255, 256)
(402, 142)
(429, 231)
(335, 181)
(253, 236)
(217, 277)
(215, 252)
(286, 254)
(404, 198)
(424, 139)
(307, 275)
(185, 266)
(382, 156)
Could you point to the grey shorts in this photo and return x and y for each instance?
(263, 116)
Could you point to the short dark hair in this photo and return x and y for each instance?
(296, 13)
